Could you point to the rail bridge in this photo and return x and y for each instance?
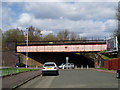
(42, 51)
(63, 46)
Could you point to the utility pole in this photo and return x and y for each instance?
(27, 47)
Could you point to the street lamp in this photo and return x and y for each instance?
(27, 48)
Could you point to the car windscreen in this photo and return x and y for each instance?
(47, 65)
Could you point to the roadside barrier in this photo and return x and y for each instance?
(87, 67)
(113, 64)
(81, 66)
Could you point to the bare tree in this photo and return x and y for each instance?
(60, 36)
(63, 35)
(38, 35)
(50, 37)
(66, 34)
(74, 36)
(31, 31)
(34, 34)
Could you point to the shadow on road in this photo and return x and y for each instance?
(51, 75)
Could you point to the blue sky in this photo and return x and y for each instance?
(89, 19)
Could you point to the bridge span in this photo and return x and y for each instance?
(57, 51)
(63, 46)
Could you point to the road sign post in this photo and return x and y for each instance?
(67, 58)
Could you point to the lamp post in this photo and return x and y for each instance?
(27, 48)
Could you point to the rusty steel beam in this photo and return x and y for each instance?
(63, 48)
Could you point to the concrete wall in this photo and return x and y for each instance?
(30, 62)
(9, 59)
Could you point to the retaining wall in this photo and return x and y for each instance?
(112, 64)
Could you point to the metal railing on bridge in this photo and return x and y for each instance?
(63, 42)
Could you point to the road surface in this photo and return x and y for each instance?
(76, 78)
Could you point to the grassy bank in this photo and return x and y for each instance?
(26, 70)
(9, 71)
(104, 69)
(107, 56)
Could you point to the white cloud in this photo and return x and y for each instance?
(25, 19)
(45, 32)
(5, 15)
(6, 18)
(85, 19)
(89, 28)
(60, 0)
(76, 11)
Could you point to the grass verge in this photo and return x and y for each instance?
(104, 69)
(26, 70)
(10, 71)
(106, 56)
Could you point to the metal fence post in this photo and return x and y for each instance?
(7, 71)
(17, 69)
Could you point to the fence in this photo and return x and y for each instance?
(112, 64)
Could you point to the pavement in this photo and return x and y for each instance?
(14, 81)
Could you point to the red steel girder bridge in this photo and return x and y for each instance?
(62, 46)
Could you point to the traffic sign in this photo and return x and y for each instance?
(67, 58)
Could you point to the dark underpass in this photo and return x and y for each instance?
(59, 58)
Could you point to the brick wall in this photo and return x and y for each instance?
(112, 64)
(9, 59)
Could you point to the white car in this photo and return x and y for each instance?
(69, 66)
(61, 66)
(66, 66)
(50, 68)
